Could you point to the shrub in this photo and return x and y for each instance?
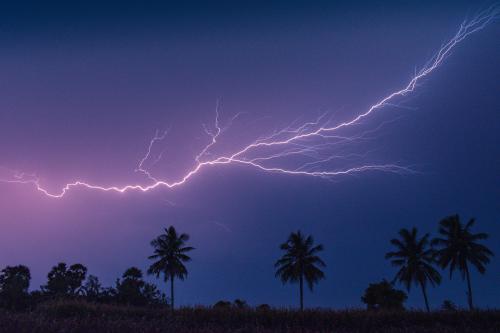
(383, 296)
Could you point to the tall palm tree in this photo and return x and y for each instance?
(416, 259)
(459, 247)
(300, 262)
(170, 255)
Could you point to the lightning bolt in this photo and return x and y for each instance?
(312, 140)
(140, 167)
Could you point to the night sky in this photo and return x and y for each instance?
(84, 87)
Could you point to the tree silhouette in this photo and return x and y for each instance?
(383, 296)
(459, 247)
(129, 289)
(416, 259)
(222, 305)
(133, 290)
(92, 288)
(300, 262)
(448, 306)
(170, 255)
(240, 304)
(14, 284)
(65, 281)
(76, 275)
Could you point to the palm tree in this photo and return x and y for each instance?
(170, 255)
(459, 247)
(416, 260)
(300, 262)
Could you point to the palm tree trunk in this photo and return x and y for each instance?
(469, 294)
(172, 291)
(301, 292)
(425, 297)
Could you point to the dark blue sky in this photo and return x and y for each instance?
(83, 87)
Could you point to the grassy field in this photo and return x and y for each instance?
(77, 316)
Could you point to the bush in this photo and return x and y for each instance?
(448, 306)
(222, 305)
(383, 296)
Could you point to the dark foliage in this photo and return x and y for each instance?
(14, 284)
(78, 316)
(300, 262)
(240, 304)
(170, 254)
(383, 296)
(448, 306)
(459, 247)
(222, 305)
(72, 302)
(415, 259)
(263, 307)
(226, 305)
(63, 281)
(133, 290)
(92, 289)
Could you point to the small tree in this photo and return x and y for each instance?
(133, 290)
(14, 284)
(222, 305)
(129, 289)
(65, 281)
(153, 295)
(448, 306)
(383, 296)
(92, 288)
(240, 304)
(76, 275)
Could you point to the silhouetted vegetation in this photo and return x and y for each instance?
(416, 259)
(300, 262)
(14, 284)
(170, 255)
(72, 300)
(93, 289)
(222, 305)
(133, 290)
(63, 281)
(448, 306)
(80, 316)
(383, 296)
(226, 305)
(459, 247)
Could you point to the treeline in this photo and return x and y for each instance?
(73, 282)
(418, 259)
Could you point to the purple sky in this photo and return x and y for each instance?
(84, 88)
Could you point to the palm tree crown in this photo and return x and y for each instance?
(300, 262)
(415, 259)
(170, 255)
(459, 247)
